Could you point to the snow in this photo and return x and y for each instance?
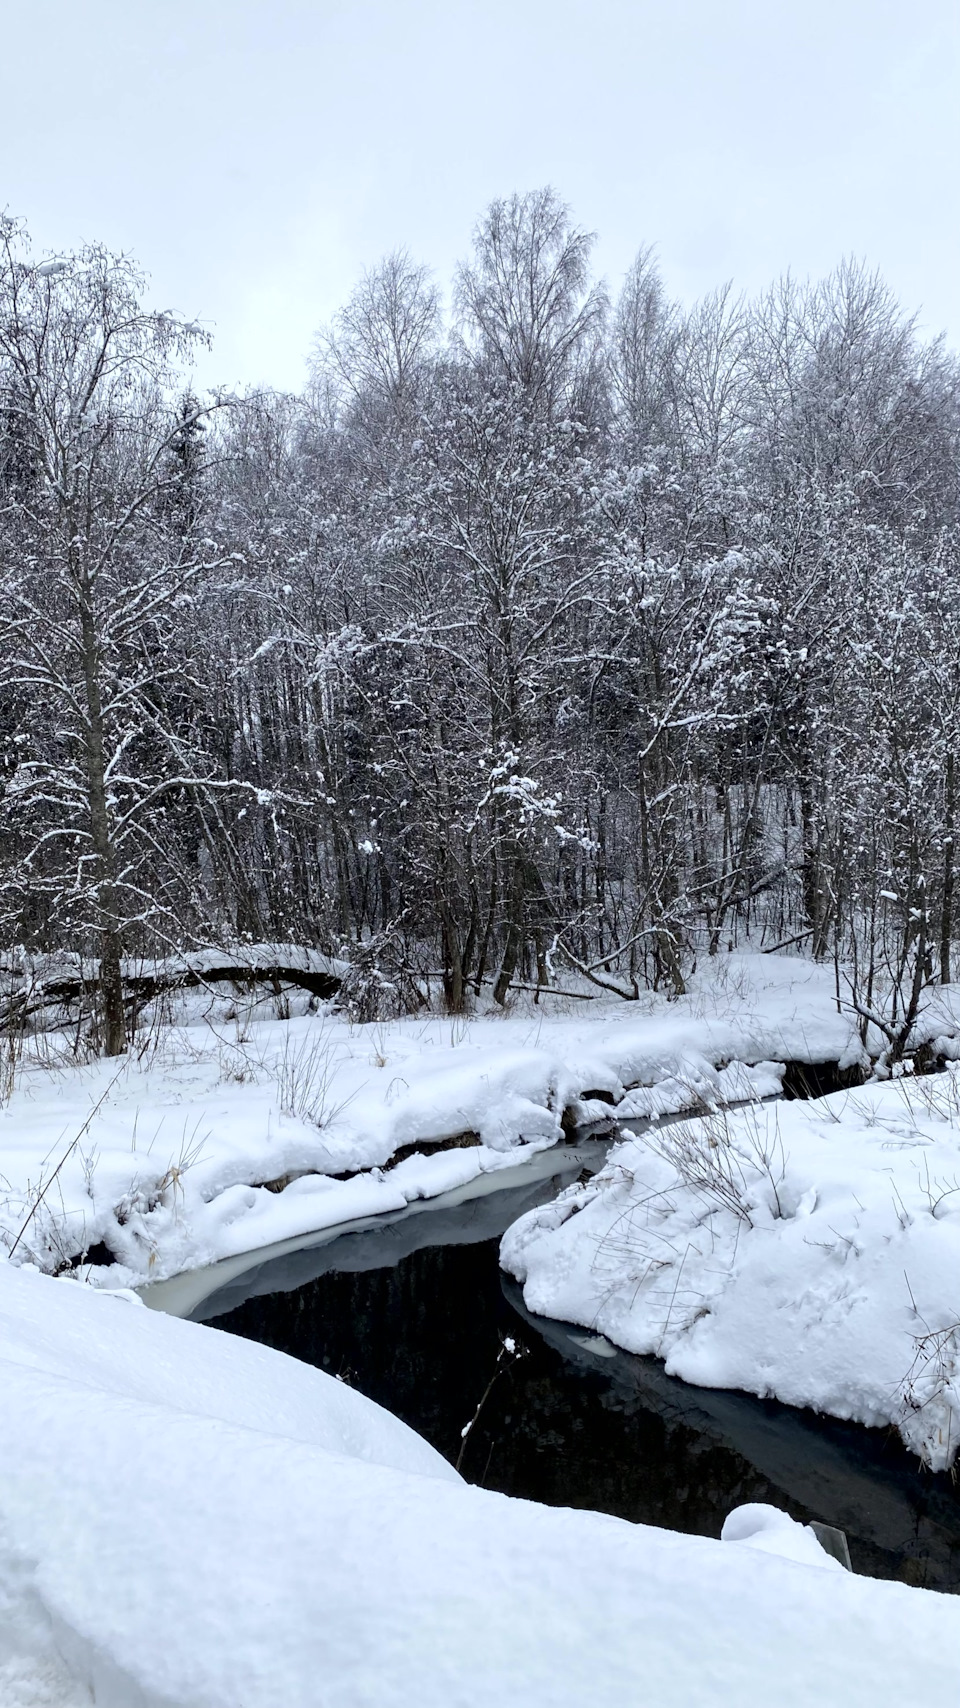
(227, 1135)
(19, 972)
(773, 1532)
(185, 1293)
(807, 1251)
(191, 1521)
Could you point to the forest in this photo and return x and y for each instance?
(551, 638)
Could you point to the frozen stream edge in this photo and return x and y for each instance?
(179, 1295)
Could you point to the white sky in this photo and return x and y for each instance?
(256, 155)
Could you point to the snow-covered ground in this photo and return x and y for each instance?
(227, 1134)
(188, 1520)
(809, 1251)
(191, 1521)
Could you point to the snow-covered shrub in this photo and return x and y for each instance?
(380, 983)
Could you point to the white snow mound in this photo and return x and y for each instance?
(190, 1521)
(809, 1251)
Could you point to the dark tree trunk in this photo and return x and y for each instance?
(112, 1015)
(949, 846)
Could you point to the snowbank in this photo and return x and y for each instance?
(191, 1521)
(229, 1135)
(809, 1251)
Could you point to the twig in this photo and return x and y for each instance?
(70, 1148)
(508, 1349)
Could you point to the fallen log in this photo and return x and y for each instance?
(52, 981)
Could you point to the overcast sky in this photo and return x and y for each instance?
(256, 155)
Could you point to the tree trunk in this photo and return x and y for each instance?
(949, 845)
(454, 987)
(110, 982)
(816, 897)
(514, 937)
(112, 1014)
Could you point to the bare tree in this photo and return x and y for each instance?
(525, 301)
(379, 344)
(90, 591)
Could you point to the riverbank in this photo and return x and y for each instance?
(237, 1130)
(746, 1254)
(804, 1251)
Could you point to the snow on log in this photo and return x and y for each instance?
(31, 983)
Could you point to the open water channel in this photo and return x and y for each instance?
(415, 1313)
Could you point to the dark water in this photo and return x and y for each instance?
(415, 1316)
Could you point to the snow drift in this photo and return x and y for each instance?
(809, 1251)
(190, 1521)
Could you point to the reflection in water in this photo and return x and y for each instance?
(419, 1327)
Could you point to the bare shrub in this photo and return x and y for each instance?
(931, 1383)
(304, 1075)
(723, 1161)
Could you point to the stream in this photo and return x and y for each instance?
(415, 1313)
